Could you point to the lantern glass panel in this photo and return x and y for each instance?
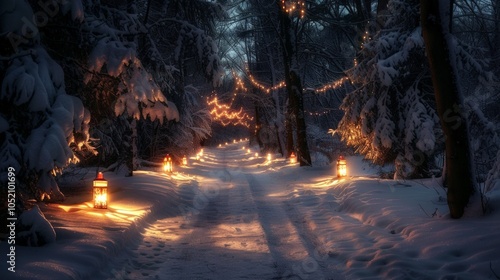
(341, 168)
(100, 198)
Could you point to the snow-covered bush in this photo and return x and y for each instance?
(34, 229)
(493, 179)
(390, 116)
(484, 139)
(138, 66)
(40, 123)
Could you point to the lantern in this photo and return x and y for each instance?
(341, 167)
(184, 161)
(100, 191)
(167, 164)
(293, 158)
(269, 157)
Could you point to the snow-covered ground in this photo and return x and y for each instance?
(232, 215)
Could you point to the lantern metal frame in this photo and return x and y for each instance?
(167, 164)
(100, 192)
(341, 167)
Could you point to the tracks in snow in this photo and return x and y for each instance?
(295, 249)
(230, 226)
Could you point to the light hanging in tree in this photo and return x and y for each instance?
(224, 114)
(321, 89)
(167, 164)
(341, 167)
(100, 192)
(294, 6)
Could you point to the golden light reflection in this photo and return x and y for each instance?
(241, 237)
(74, 208)
(98, 214)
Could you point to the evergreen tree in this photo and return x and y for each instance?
(41, 126)
(390, 116)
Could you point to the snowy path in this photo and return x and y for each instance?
(232, 215)
(217, 235)
(231, 226)
(292, 246)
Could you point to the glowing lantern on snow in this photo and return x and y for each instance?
(293, 158)
(269, 158)
(184, 161)
(167, 164)
(100, 192)
(341, 167)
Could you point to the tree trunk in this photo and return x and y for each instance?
(459, 173)
(294, 89)
(289, 133)
(302, 147)
(258, 123)
(130, 146)
(381, 13)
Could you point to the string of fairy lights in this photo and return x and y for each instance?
(322, 89)
(224, 112)
(320, 113)
(226, 115)
(294, 7)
